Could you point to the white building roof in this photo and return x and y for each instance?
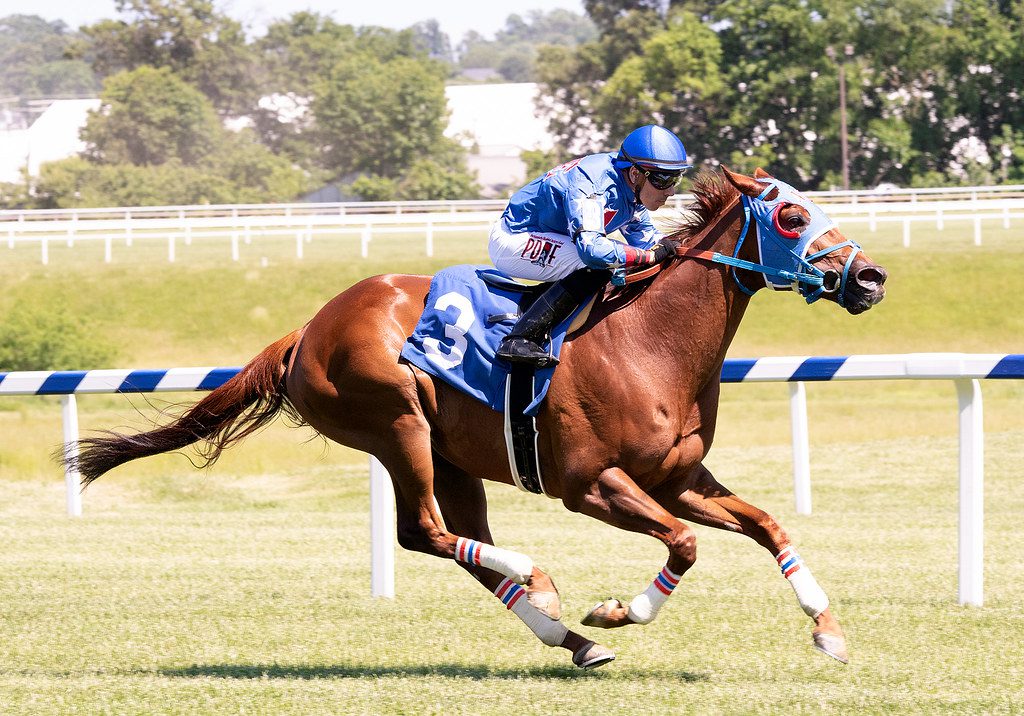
(54, 135)
(500, 118)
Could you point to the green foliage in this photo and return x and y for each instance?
(189, 37)
(442, 176)
(513, 51)
(674, 78)
(36, 59)
(45, 338)
(242, 171)
(377, 116)
(931, 85)
(149, 116)
(538, 161)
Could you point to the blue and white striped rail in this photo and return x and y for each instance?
(78, 382)
(964, 369)
(908, 366)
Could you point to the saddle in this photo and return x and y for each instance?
(468, 310)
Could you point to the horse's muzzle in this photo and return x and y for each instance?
(866, 289)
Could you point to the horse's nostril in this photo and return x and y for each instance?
(871, 276)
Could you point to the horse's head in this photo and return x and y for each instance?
(802, 248)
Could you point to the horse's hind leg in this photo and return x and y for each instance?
(700, 498)
(615, 499)
(463, 506)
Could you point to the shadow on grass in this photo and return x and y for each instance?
(451, 671)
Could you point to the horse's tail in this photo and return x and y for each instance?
(238, 408)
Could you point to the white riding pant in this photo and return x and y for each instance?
(537, 256)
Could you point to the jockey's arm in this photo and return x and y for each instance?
(597, 251)
(640, 232)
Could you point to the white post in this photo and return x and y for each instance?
(977, 231)
(938, 220)
(382, 530)
(128, 228)
(430, 239)
(972, 492)
(1006, 217)
(801, 449)
(234, 246)
(365, 242)
(108, 251)
(906, 233)
(69, 414)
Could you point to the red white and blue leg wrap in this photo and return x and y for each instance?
(550, 631)
(515, 566)
(811, 596)
(509, 593)
(644, 607)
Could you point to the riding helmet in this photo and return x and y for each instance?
(653, 147)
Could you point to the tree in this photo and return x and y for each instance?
(377, 116)
(37, 59)
(157, 140)
(148, 116)
(202, 46)
(675, 81)
(513, 52)
(429, 38)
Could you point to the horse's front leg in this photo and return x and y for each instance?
(615, 499)
(700, 498)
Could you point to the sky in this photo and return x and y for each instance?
(456, 17)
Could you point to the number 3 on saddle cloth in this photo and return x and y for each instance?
(469, 309)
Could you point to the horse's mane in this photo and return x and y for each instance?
(712, 194)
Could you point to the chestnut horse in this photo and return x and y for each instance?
(628, 419)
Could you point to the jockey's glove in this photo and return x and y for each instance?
(666, 248)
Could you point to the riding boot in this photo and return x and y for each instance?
(523, 344)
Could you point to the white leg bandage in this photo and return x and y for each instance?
(515, 566)
(811, 596)
(550, 631)
(644, 607)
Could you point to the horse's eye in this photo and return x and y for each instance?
(794, 222)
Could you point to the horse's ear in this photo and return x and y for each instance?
(747, 185)
(760, 173)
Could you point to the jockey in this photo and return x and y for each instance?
(579, 203)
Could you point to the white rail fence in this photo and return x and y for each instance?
(301, 223)
(964, 369)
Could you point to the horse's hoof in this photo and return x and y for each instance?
(832, 645)
(547, 603)
(592, 655)
(606, 615)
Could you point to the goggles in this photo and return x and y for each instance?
(660, 179)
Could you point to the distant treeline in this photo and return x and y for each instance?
(934, 95)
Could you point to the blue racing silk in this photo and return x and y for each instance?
(554, 202)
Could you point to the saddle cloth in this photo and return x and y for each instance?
(463, 322)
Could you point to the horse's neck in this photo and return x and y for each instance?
(692, 311)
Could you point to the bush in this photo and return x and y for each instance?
(31, 339)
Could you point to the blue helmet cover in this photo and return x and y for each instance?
(655, 147)
(779, 251)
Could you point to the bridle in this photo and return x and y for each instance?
(786, 249)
